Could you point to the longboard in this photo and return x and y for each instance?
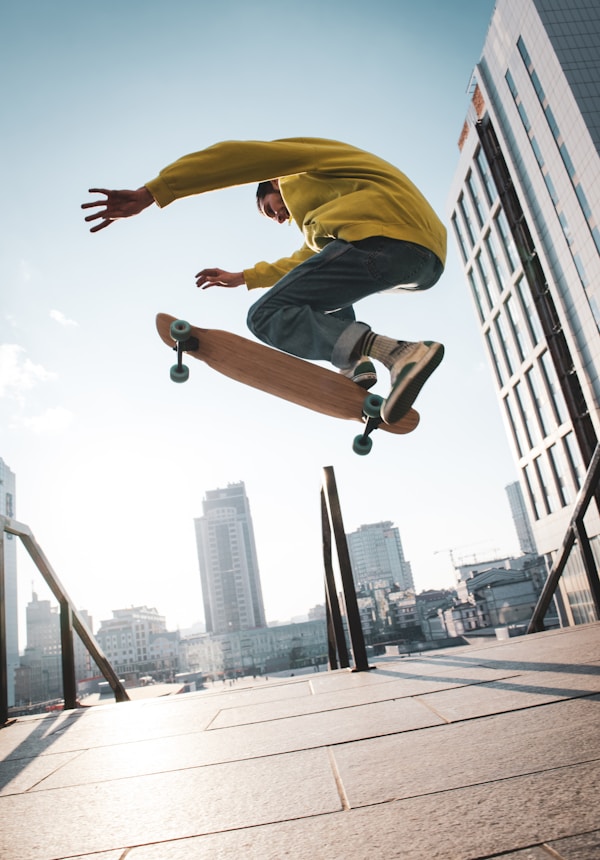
(280, 374)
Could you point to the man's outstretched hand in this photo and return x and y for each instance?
(118, 204)
(218, 278)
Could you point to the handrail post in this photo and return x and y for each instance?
(67, 656)
(3, 641)
(336, 638)
(359, 651)
(69, 620)
(575, 533)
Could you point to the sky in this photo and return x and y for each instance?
(112, 460)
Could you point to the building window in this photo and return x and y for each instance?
(486, 177)
(496, 261)
(563, 485)
(540, 400)
(476, 294)
(548, 494)
(507, 240)
(476, 198)
(529, 312)
(506, 345)
(516, 427)
(485, 279)
(514, 316)
(532, 490)
(526, 413)
(557, 399)
(574, 459)
(496, 363)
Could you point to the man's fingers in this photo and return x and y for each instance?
(99, 226)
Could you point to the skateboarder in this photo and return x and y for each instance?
(367, 229)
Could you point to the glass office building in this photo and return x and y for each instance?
(525, 214)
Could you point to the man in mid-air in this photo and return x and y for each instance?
(367, 229)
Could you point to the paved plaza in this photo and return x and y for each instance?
(487, 750)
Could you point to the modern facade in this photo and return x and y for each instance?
(256, 652)
(136, 642)
(7, 509)
(231, 588)
(39, 676)
(524, 208)
(376, 554)
(520, 518)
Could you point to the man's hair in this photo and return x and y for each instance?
(263, 189)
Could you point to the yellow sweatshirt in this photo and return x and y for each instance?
(331, 189)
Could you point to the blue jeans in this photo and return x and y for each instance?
(309, 312)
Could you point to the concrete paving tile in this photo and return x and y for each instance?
(163, 807)
(537, 852)
(456, 825)
(416, 668)
(449, 757)
(20, 775)
(103, 855)
(260, 691)
(392, 688)
(122, 723)
(33, 733)
(583, 847)
(581, 643)
(226, 745)
(526, 690)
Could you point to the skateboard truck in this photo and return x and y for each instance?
(180, 332)
(363, 443)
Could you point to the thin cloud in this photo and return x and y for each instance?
(61, 319)
(17, 372)
(54, 420)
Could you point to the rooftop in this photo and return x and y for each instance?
(487, 750)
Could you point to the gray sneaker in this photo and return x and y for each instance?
(363, 373)
(412, 367)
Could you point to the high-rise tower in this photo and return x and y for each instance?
(7, 508)
(231, 587)
(376, 554)
(524, 208)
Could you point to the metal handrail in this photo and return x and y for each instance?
(576, 534)
(70, 620)
(331, 515)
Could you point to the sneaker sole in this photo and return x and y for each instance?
(365, 375)
(409, 383)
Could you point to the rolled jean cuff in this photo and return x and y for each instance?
(345, 348)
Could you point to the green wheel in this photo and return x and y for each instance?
(362, 445)
(372, 405)
(180, 330)
(180, 374)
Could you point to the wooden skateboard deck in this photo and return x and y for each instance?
(276, 373)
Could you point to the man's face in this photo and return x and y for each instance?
(273, 207)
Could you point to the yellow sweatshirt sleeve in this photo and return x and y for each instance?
(332, 190)
(266, 274)
(235, 162)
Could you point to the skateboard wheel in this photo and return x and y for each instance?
(362, 445)
(180, 330)
(180, 374)
(372, 405)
